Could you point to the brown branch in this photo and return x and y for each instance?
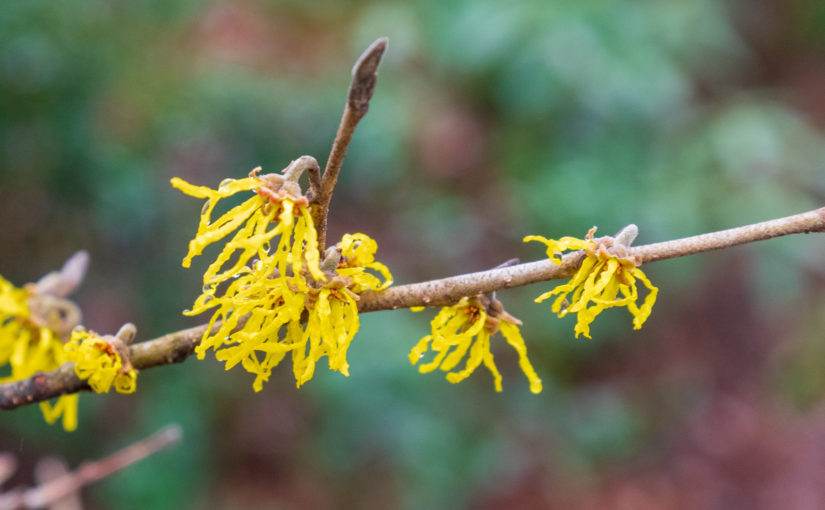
(89, 472)
(449, 290)
(165, 350)
(446, 291)
(803, 223)
(176, 347)
(364, 77)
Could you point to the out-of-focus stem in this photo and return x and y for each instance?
(54, 490)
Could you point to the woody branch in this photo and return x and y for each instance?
(177, 346)
(364, 77)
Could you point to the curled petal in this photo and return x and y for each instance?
(555, 247)
(641, 314)
(96, 362)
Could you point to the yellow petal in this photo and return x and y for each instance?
(419, 349)
(647, 307)
(65, 407)
(461, 346)
(513, 336)
(480, 347)
(487, 358)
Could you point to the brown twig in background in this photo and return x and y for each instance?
(53, 468)
(176, 347)
(89, 472)
(8, 464)
(364, 77)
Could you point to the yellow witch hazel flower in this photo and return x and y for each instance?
(284, 300)
(101, 362)
(467, 327)
(278, 200)
(358, 255)
(27, 347)
(607, 270)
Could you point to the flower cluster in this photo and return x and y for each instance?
(28, 346)
(277, 298)
(100, 362)
(467, 327)
(608, 269)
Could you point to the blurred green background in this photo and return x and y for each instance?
(491, 120)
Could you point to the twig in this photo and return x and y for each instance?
(54, 468)
(89, 472)
(176, 347)
(47, 302)
(303, 164)
(67, 280)
(364, 77)
(314, 171)
(450, 290)
(8, 464)
(802, 223)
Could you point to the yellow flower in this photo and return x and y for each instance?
(98, 362)
(467, 326)
(281, 302)
(273, 202)
(12, 300)
(29, 348)
(65, 407)
(331, 325)
(263, 318)
(607, 270)
(357, 255)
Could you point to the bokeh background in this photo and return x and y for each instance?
(491, 120)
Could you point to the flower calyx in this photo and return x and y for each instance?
(277, 187)
(617, 246)
(495, 313)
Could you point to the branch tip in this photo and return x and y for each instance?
(127, 333)
(508, 263)
(65, 281)
(365, 75)
(627, 235)
(361, 88)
